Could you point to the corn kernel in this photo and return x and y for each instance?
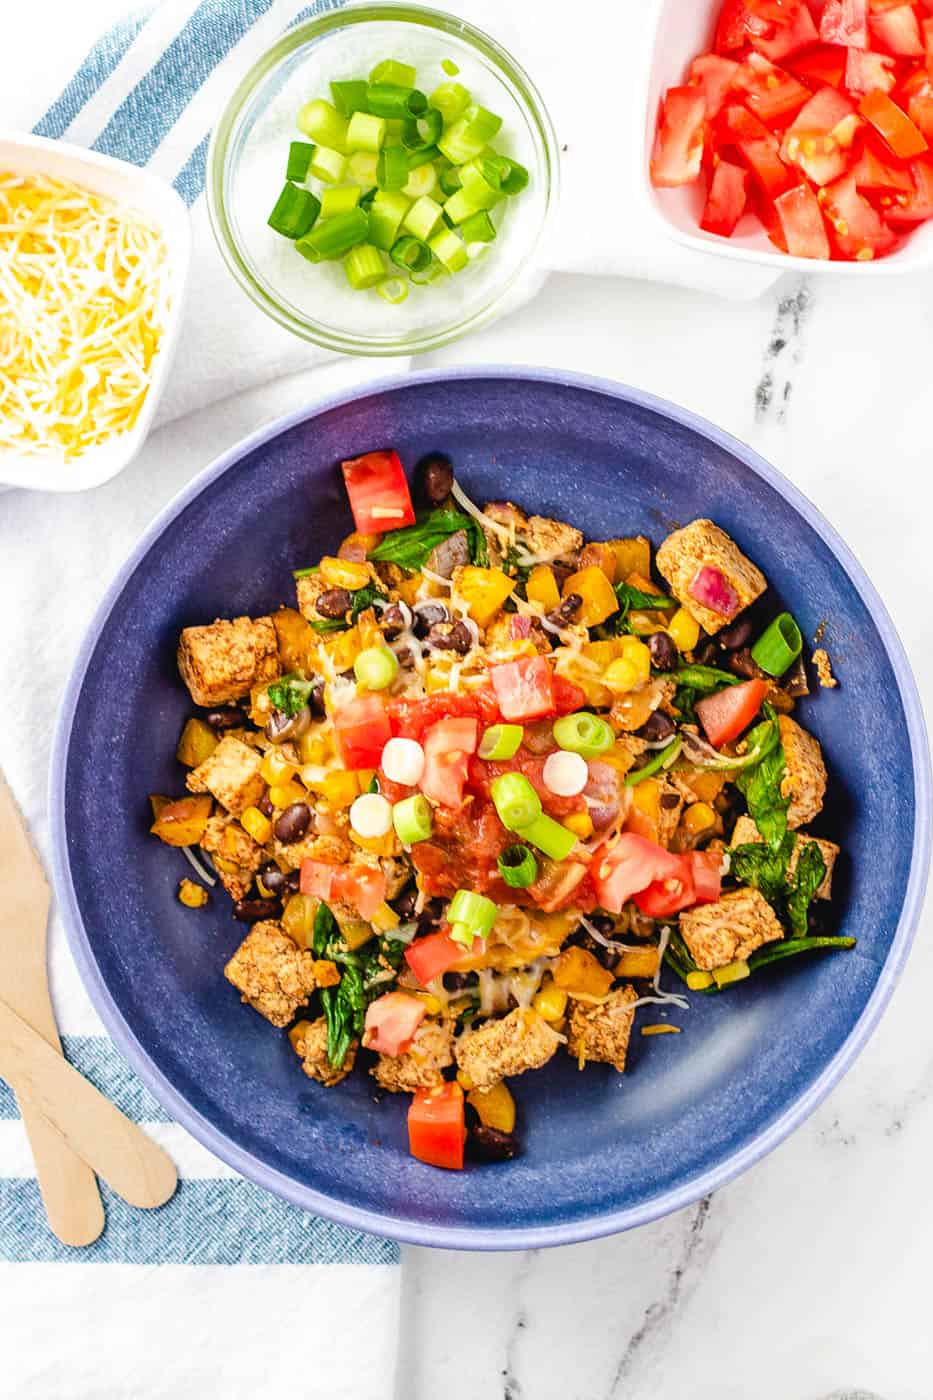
(284, 794)
(313, 748)
(344, 573)
(637, 962)
(684, 630)
(340, 788)
(637, 652)
(699, 981)
(463, 1079)
(276, 769)
(495, 1106)
(581, 823)
(257, 824)
(191, 895)
(542, 587)
(384, 918)
(621, 676)
(343, 648)
(550, 1002)
(698, 817)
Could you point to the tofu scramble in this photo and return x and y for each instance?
(489, 791)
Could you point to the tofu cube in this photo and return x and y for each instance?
(602, 1032)
(271, 973)
(804, 780)
(733, 927)
(499, 1049)
(421, 1064)
(236, 855)
(702, 545)
(223, 661)
(747, 832)
(309, 1042)
(231, 775)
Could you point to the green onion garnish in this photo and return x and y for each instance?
(295, 212)
(324, 124)
(364, 269)
(583, 733)
(421, 180)
(469, 135)
(361, 169)
(395, 100)
(327, 165)
(423, 132)
(451, 100)
(349, 97)
(331, 238)
(449, 67)
(657, 761)
(778, 646)
(386, 213)
(365, 132)
(500, 741)
(516, 801)
(412, 819)
(450, 179)
(411, 254)
(518, 867)
(478, 228)
(552, 839)
(339, 199)
(299, 158)
(470, 916)
(448, 248)
(391, 71)
(392, 168)
(394, 290)
(423, 217)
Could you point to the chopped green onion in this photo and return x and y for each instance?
(412, 819)
(515, 800)
(394, 290)
(299, 158)
(481, 179)
(421, 180)
(469, 135)
(339, 199)
(478, 228)
(349, 97)
(583, 733)
(327, 165)
(376, 667)
(391, 71)
(395, 100)
(518, 867)
(513, 178)
(295, 212)
(332, 238)
(449, 250)
(422, 132)
(500, 741)
(552, 839)
(411, 254)
(451, 100)
(778, 646)
(450, 179)
(423, 217)
(324, 124)
(365, 269)
(365, 132)
(449, 67)
(429, 275)
(660, 760)
(460, 207)
(392, 168)
(470, 916)
(361, 169)
(386, 213)
(422, 157)
(366, 199)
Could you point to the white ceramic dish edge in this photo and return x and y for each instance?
(137, 188)
(676, 31)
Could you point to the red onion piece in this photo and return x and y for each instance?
(714, 591)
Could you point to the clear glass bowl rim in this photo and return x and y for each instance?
(409, 342)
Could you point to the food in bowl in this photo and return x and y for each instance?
(86, 283)
(812, 116)
(487, 782)
(398, 175)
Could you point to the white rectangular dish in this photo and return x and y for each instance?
(678, 30)
(136, 189)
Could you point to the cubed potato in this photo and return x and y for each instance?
(198, 741)
(184, 822)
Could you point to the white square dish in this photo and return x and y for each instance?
(139, 190)
(678, 30)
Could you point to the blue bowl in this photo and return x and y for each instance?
(602, 1153)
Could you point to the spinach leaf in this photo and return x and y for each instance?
(513, 566)
(325, 932)
(329, 624)
(764, 867)
(631, 597)
(761, 787)
(344, 1006)
(290, 694)
(804, 883)
(344, 1009)
(790, 947)
(362, 599)
(410, 547)
(704, 679)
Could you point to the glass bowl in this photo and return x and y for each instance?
(246, 164)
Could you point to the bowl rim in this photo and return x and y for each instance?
(382, 11)
(399, 1228)
(141, 189)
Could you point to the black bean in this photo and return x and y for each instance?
(292, 824)
(706, 653)
(265, 805)
(293, 882)
(455, 981)
(657, 726)
(281, 726)
(428, 615)
(603, 923)
(436, 475)
(333, 602)
(566, 610)
(250, 911)
(663, 651)
(272, 877)
(491, 1145)
(670, 800)
(316, 699)
(393, 620)
(404, 904)
(443, 637)
(743, 664)
(227, 718)
(737, 636)
(431, 915)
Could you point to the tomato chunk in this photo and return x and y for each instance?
(669, 896)
(524, 689)
(362, 886)
(823, 63)
(819, 137)
(726, 715)
(725, 202)
(363, 730)
(678, 149)
(437, 1126)
(447, 746)
(845, 22)
(434, 954)
(802, 222)
(391, 1022)
(379, 496)
(868, 72)
(912, 208)
(770, 92)
(706, 868)
(858, 230)
(897, 31)
(786, 37)
(632, 864)
(893, 124)
(715, 75)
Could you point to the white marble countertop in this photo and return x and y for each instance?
(807, 1278)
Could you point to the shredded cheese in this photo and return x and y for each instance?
(85, 290)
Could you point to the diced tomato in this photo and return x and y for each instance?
(725, 201)
(670, 895)
(437, 1126)
(557, 884)
(379, 496)
(727, 714)
(706, 868)
(756, 148)
(897, 31)
(920, 110)
(447, 746)
(818, 138)
(824, 63)
(678, 149)
(912, 208)
(780, 11)
(845, 22)
(770, 92)
(317, 878)
(410, 719)
(567, 696)
(434, 954)
(362, 886)
(926, 27)
(730, 29)
(802, 223)
(391, 1022)
(858, 230)
(524, 689)
(715, 75)
(363, 730)
(735, 124)
(787, 38)
(893, 124)
(631, 865)
(878, 176)
(869, 72)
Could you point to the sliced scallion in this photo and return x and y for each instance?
(361, 169)
(395, 100)
(518, 867)
(324, 124)
(552, 839)
(365, 132)
(423, 217)
(413, 819)
(778, 646)
(448, 248)
(327, 165)
(299, 158)
(386, 213)
(451, 100)
(294, 212)
(332, 238)
(469, 135)
(391, 71)
(421, 132)
(339, 199)
(411, 254)
(422, 180)
(393, 290)
(500, 741)
(349, 97)
(392, 168)
(478, 228)
(450, 179)
(365, 268)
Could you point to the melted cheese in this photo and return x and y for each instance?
(85, 287)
